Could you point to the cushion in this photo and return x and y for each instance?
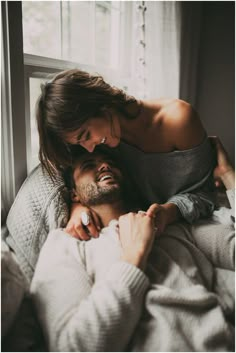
(13, 287)
(20, 328)
(40, 206)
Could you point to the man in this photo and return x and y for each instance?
(126, 290)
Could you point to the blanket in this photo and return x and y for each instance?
(87, 299)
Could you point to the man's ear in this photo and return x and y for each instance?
(74, 196)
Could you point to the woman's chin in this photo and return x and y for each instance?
(114, 143)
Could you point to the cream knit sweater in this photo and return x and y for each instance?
(89, 300)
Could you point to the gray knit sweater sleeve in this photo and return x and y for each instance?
(216, 239)
(77, 315)
(194, 205)
(231, 197)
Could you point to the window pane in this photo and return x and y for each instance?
(85, 32)
(77, 31)
(41, 28)
(102, 34)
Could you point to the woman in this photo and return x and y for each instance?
(162, 144)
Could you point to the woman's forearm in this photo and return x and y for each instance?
(173, 213)
(229, 179)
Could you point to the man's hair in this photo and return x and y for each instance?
(66, 103)
(69, 171)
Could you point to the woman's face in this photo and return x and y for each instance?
(96, 131)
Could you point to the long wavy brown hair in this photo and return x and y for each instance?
(67, 102)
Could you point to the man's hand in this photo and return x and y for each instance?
(75, 226)
(163, 215)
(136, 233)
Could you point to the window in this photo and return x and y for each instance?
(85, 32)
(96, 36)
(60, 35)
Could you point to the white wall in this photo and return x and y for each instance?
(215, 99)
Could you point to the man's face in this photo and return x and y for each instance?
(98, 180)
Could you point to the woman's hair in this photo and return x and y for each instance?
(67, 102)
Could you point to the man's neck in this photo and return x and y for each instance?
(107, 212)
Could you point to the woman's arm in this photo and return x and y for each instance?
(224, 170)
(217, 241)
(185, 131)
(163, 214)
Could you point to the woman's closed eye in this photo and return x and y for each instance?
(85, 137)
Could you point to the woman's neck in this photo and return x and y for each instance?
(132, 129)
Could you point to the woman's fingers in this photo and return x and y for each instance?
(84, 223)
(77, 231)
(92, 230)
(153, 209)
(81, 232)
(159, 214)
(95, 226)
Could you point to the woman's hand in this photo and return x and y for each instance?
(223, 172)
(75, 226)
(163, 215)
(136, 232)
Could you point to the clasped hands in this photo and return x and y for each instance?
(137, 231)
(84, 223)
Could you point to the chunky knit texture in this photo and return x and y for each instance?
(38, 208)
(89, 300)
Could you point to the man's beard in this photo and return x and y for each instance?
(93, 194)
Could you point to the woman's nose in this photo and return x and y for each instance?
(88, 146)
(91, 148)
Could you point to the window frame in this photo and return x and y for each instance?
(13, 135)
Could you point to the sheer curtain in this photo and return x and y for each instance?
(156, 52)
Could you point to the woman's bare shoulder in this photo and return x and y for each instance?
(184, 125)
(177, 109)
(179, 122)
(158, 103)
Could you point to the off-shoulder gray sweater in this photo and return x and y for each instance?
(180, 177)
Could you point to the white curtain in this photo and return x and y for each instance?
(156, 58)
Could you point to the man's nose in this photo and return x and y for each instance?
(103, 166)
